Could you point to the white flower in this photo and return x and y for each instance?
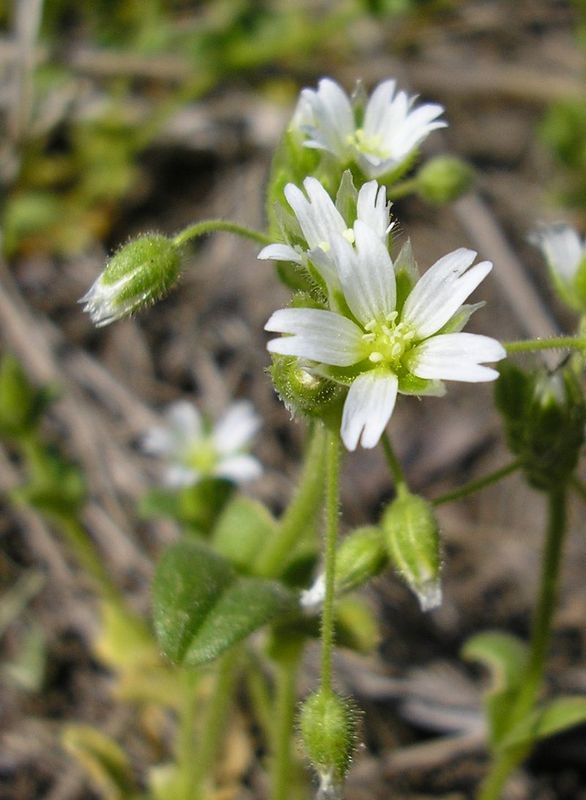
(390, 130)
(194, 451)
(565, 253)
(320, 221)
(381, 349)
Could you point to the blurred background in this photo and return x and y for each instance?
(124, 116)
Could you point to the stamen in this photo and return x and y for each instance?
(348, 234)
(376, 358)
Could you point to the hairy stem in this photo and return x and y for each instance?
(330, 539)
(213, 225)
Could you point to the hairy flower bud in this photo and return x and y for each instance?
(444, 179)
(412, 539)
(544, 415)
(361, 556)
(302, 391)
(328, 731)
(139, 274)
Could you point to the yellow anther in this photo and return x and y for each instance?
(376, 358)
(325, 246)
(371, 325)
(348, 234)
(369, 337)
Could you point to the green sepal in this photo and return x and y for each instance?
(347, 198)
(406, 274)
(103, 760)
(201, 607)
(328, 725)
(124, 641)
(505, 657)
(420, 387)
(555, 717)
(242, 531)
(460, 319)
(580, 285)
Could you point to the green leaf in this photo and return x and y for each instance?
(201, 606)
(505, 657)
(502, 654)
(242, 531)
(103, 759)
(557, 716)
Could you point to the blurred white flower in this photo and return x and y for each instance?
(195, 451)
(565, 254)
(388, 131)
(382, 349)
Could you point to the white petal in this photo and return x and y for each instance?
(333, 118)
(279, 252)
(184, 420)
(366, 274)
(318, 335)
(456, 357)
(441, 291)
(372, 208)
(368, 408)
(158, 441)
(415, 128)
(239, 468)
(177, 476)
(318, 217)
(561, 247)
(378, 106)
(236, 428)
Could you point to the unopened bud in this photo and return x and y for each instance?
(139, 274)
(361, 556)
(444, 179)
(302, 391)
(328, 731)
(544, 415)
(413, 543)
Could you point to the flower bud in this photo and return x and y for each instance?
(544, 415)
(328, 731)
(444, 179)
(139, 274)
(360, 557)
(302, 391)
(413, 543)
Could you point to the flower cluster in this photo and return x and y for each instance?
(195, 451)
(366, 336)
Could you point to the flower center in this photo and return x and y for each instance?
(387, 342)
(201, 456)
(368, 145)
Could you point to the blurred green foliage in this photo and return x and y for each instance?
(564, 132)
(74, 172)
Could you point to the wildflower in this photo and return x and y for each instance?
(139, 274)
(380, 347)
(196, 451)
(320, 221)
(565, 254)
(379, 138)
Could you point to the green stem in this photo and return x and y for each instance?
(86, 554)
(286, 701)
(540, 638)
(300, 512)
(213, 225)
(213, 725)
(330, 539)
(475, 486)
(400, 190)
(559, 342)
(393, 462)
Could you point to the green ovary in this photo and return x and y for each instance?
(386, 343)
(201, 457)
(368, 145)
